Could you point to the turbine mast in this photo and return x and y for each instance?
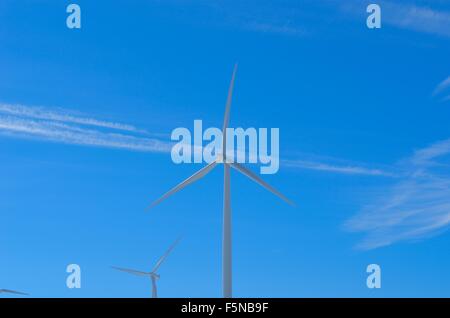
(154, 289)
(226, 240)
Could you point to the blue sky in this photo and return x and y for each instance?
(85, 123)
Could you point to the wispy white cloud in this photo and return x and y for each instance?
(443, 88)
(416, 206)
(262, 17)
(290, 19)
(426, 156)
(422, 19)
(308, 16)
(63, 126)
(349, 169)
(266, 27)
(59, 126)
(61, 115)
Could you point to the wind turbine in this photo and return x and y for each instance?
(222, 159)
(152, 274)
(8, 291)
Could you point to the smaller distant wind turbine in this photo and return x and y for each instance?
(8, 291)
(153, 273)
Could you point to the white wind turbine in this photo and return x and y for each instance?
(153, 275)
(221, 159)
(9, 291)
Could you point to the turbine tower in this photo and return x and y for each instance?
(152, 274)
(222, 159)
(8, 291)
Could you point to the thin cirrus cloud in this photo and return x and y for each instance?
(62, 126)
(349, 169)
(265, 27)
(61, 116)
(286, 18)
(262, 17)
(416, 206)
(289, 19)
(443, 88)
(417, 18)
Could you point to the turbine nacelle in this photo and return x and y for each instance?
(221, 159)
(154, 276)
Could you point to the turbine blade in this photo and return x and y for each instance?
(226, 117)
(130, 271)
(9, 291)
(260, 181)
(196, 176)
(163, 258)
